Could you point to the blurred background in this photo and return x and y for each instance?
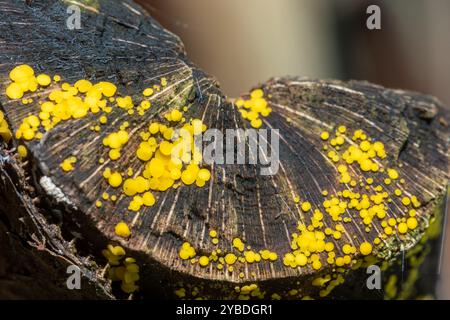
(245, 42)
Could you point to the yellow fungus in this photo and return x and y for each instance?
(392, 222)
(116, 250)
(339, 140)
(257, 93)
(306, 206)
(176, 115)
(213, 233)
(251, 256)
(153, 128)
(238, 244)
(388, 230)
(411, 223)
(347, 249)
(342, 129)
(393, 174)
(156, 167)
(329, 246)
(365, 248)
(14, 91)
(254, 107)
(324, 135)
(22, 151)
(365, 145)
(83, 85)
(204, 174)
(147, 92)
(415, 202)
(166, 148)
(21, 73)
(316, 264)
(128, 287)
(161, 171)
(230, 258)
(148, 199)
(108, 89)
(366, 165)
(301, 260)
(121, 229)
(187, 251)
(43, 80)
(188, 177)
(402, 228)
(115, 179)
(340, 261)
(203, 261)
(256, 123)
(406, 201)
(67, 164)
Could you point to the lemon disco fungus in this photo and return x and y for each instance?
(68, 164)
(254, 108)
(122, 230)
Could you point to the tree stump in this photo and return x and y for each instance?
(51, 219)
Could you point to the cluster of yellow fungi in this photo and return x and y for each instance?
(358, 161)
(122, 268)
(167, 152)
(226, 260)
(170, 158)
(316, 244)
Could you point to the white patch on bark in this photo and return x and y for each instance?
(52, 190)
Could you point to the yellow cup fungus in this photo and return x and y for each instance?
(122, 230)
